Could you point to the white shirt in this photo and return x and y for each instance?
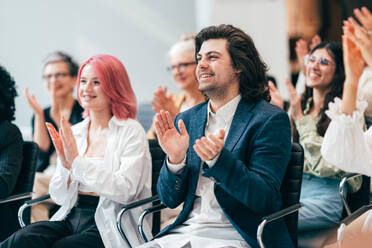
(124, 176)
(207, 225)
(346, 145)
(365, 89)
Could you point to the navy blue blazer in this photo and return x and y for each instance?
(247, 175)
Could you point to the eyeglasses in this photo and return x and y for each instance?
(57, 76)
(180, 66)
(313, 59)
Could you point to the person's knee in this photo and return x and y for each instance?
(66, 242)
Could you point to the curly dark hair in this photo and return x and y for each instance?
(337, 84)
(244, 56)
(7, 94)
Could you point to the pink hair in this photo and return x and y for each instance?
(115, 84)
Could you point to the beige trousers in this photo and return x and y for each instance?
(40, 212)
(353, 236)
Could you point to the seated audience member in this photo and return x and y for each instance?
(60, 73)
(228, 156)
(325, 76)
(103, 164)
(345, 144)
(11, 148)
(182, 60)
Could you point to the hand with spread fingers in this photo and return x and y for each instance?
(31, 100)
(301, 51)
(164, 101)
(316, 40)
(57, 142)
(365, 17)
(209, 148)
(353, 59)
(361, 37)
(173, 143)
(68, 141)
(295, 102)
(276, 98)
(354, 66)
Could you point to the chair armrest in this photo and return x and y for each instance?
(341, 190)
(147, 211)
(29, 204)
(356, 214)
(275, 216)
(16, 197)
(128, 207)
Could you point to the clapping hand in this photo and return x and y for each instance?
(173, 143)
(209, 148)
(353, 59)
(164, 101)
(295, 102)
(31, 100)
(64, 142)
(361, 35)
(276, 98)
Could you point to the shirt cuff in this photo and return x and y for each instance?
(305, 125)
(176, 168)
(335, 114)
(77, 168)
(212, 162)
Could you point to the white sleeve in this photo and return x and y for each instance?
(59, 191)
(345, 145)
(125, 184)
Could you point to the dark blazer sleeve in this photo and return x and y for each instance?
(172, 188)
(11, 150)
(252, 173)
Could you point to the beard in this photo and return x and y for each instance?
(213, 92)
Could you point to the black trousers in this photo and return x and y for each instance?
(78, 229)
(8, 220)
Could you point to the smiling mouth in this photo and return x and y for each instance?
(205, 76)
(87, 98)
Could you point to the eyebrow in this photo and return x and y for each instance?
(95, 78)
(208, 53)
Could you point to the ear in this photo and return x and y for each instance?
(238, 70)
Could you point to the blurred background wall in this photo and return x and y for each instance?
(140, 33)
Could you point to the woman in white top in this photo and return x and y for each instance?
(103, 164)
(345, 144)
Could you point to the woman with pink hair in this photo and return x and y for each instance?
(103, 164)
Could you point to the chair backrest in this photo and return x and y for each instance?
(157, 157)
(26, 177)
(359, 198)
(291, 188)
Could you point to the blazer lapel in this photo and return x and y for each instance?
(239, 123)
(196, 131)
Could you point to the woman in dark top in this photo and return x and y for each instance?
(11, 148)
(59, 75)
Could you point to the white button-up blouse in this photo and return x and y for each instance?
(124, 176)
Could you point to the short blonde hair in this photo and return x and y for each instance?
(185, 43)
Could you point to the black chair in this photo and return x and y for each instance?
(157, 157)
(25, 181)
(290, 192)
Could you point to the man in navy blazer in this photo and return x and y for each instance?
(227, 159)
